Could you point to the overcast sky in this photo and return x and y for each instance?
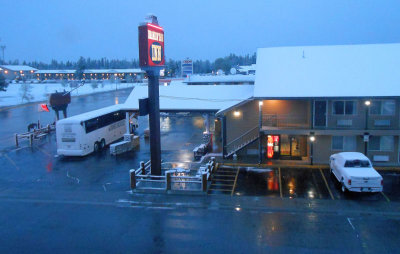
(204, 29)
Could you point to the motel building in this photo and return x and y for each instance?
(17, 72)
(311, 102)
(129, 75)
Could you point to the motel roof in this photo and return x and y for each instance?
(18, 67)
(55, 71)
(91, 71)
(220, 79)
(182, 97)
(370, 70)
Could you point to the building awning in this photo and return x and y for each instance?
(182, 97)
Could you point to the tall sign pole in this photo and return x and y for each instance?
(152, 60)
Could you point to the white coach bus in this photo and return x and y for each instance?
(90, 132)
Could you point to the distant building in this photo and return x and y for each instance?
(187, 67)
(129, 75)
(246, 69)
(220, 80)
(17, 72)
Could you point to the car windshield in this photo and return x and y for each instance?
(357, 164)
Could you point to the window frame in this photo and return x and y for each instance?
(381, 108)
(380, 144)
(343, 143)
(344, 108)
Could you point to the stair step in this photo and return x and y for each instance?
(223, 180)
(220, 190)
(221, 184)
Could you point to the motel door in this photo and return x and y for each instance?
(320, 113)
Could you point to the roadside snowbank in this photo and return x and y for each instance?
(40, 92)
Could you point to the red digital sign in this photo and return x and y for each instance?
(151, 45)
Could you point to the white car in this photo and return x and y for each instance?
(354, 172)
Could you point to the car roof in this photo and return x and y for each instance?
(352, 156)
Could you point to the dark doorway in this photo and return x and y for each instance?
(320, 113)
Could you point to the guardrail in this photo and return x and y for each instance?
(169, 181)
(285, 121)
(35, 134)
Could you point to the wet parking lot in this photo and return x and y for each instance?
(308, 183)
(83, 204)
(39, 168)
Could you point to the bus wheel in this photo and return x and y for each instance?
(102, 144)
(96, 147)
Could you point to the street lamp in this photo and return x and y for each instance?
(260, 153)
(366, 135)
(312, 140)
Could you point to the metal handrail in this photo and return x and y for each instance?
(242, 135)
(243, 140)
(284, 120)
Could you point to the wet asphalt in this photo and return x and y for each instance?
(53, 204)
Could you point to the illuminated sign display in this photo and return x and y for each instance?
(272, 145)
(187, 67)
(151, 45)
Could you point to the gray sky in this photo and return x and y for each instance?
(204, 29)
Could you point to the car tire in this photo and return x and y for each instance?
(96, 147)
(102, 144)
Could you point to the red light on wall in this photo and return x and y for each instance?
(270, 147)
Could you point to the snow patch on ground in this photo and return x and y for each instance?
(41, 91)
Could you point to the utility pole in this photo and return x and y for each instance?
(3, 47)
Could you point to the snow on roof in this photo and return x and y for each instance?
(247, 67)
(91, 114)
(220, 79)
(55, 71)
(92, 71)
(18, 67)
(182, 97)
(328, 71)
(114, 71)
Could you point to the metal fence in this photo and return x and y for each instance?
(141, 179)
(35, 134)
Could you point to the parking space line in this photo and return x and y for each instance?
(280, 183)
(234, 184)
(11, 161)
(386, 197)
(326, 184)
(43, 151)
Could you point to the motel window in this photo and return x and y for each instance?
(381, 143)
(344, 108)
(385, 108)
(344, 143)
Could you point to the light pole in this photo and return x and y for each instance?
(366, 134)
(312, 140)
(260, 154)
(3, 47)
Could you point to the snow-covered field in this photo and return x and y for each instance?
(40, 91)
